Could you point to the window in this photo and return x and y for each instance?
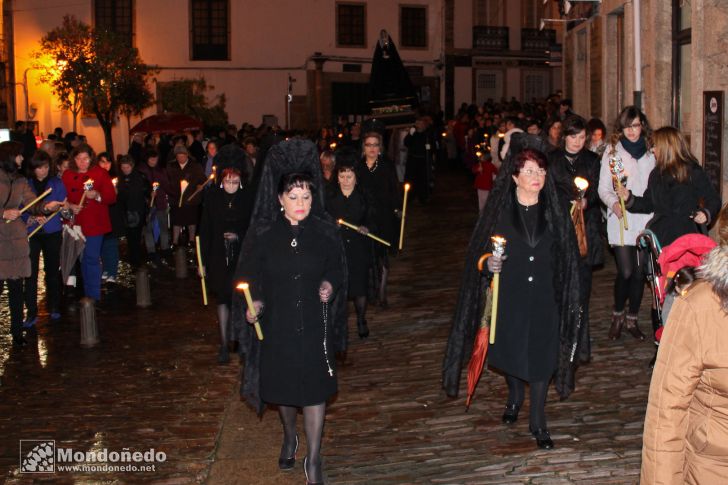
(115, 16)
(413, 26)
(210, 30)
(351, 24)
(681, 64)
(489, 12)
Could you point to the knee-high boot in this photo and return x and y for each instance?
(360, 303)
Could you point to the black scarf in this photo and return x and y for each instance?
(637, 149)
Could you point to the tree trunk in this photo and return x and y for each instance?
(106, 125)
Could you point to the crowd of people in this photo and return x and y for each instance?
(292, 215)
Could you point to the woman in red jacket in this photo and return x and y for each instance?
(93, 214)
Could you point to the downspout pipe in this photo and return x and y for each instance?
(636, 7)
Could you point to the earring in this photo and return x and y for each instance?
(221, 184)
(281, 208)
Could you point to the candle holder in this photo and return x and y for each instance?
(499, 248)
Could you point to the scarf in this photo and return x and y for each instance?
(636, 149)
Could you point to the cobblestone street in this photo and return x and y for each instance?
(153, 382)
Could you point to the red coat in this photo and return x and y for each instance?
(484, 176)
(94, 217)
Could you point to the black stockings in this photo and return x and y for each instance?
(360, 303)
(313, 425)
(630, 282)
(223, 319)
(538, 391)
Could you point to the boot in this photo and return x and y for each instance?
(632, 328)
(615, 330)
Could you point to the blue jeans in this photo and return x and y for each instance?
(91, 266)
(110, 255)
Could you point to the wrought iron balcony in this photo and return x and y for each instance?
(490, 38)
(534, 40)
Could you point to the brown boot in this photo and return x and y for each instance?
(615, 330)
(632, 328)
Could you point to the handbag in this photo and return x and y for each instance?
(580, 228)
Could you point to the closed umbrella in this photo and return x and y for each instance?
(71, 248)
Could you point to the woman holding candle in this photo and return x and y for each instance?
(294, 261)
(376, 175)
(47, 240)
(346, 201)
(156, 226)
(133, 195)
(226, 214)
(538, 309)
(184, 209)
(14, 249)
(91, 211)
(627, 160)
(565, 164)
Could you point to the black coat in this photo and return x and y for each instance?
(673, 203)
(381, 182)
(355, 209)
(188, 214)
(527, 330)
(586, 165)
(132, 195)
(221, 213)
(293, 363)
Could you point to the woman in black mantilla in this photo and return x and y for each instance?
(346, 200)
(565, 164)
(536, 341)
(377, 176)
(226, 214)
(293, 259)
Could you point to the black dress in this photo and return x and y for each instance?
(381, 183)
(355, 209)
(286, 276)
(221, 213)
(527, 330)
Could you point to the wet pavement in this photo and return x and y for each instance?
(152, 382)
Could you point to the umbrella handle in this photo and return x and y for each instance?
(482, 261)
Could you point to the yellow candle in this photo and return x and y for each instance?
(356, 228)
(36, 200)
(202, 274)
(499, 247)
(182, 187)
(249, 300)
(40, 226)
(404, 212)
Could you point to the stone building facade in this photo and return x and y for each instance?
(683, 53)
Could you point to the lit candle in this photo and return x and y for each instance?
(333, 145)
(249, 300)
(32, 203)
(444, 134)
(155, 187)
(115, 181)
(618, 177)
(499, 248)
(581, 185)
(87, 185)
(404, 212)
(356, 228)
(182, 187)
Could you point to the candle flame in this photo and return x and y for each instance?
(406, 187)
(581, 183)
(88, 184)
(341, 135)
(242, 286)
(183, 184)
(115, 181)
(155, 185)
(340, 221)
(444, 134)
(478, 154)
(498, 239)
(501, 135)
(333, 145)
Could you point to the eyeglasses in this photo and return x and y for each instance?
(371, 145)
(541, 172)
(634, 126)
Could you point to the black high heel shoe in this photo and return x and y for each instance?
(510, 415)
(305, 470)
(543, 438)
(362, 328)
(287, 463)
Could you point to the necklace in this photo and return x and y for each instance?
(524, 205)
(373, 168)
(294, 243)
